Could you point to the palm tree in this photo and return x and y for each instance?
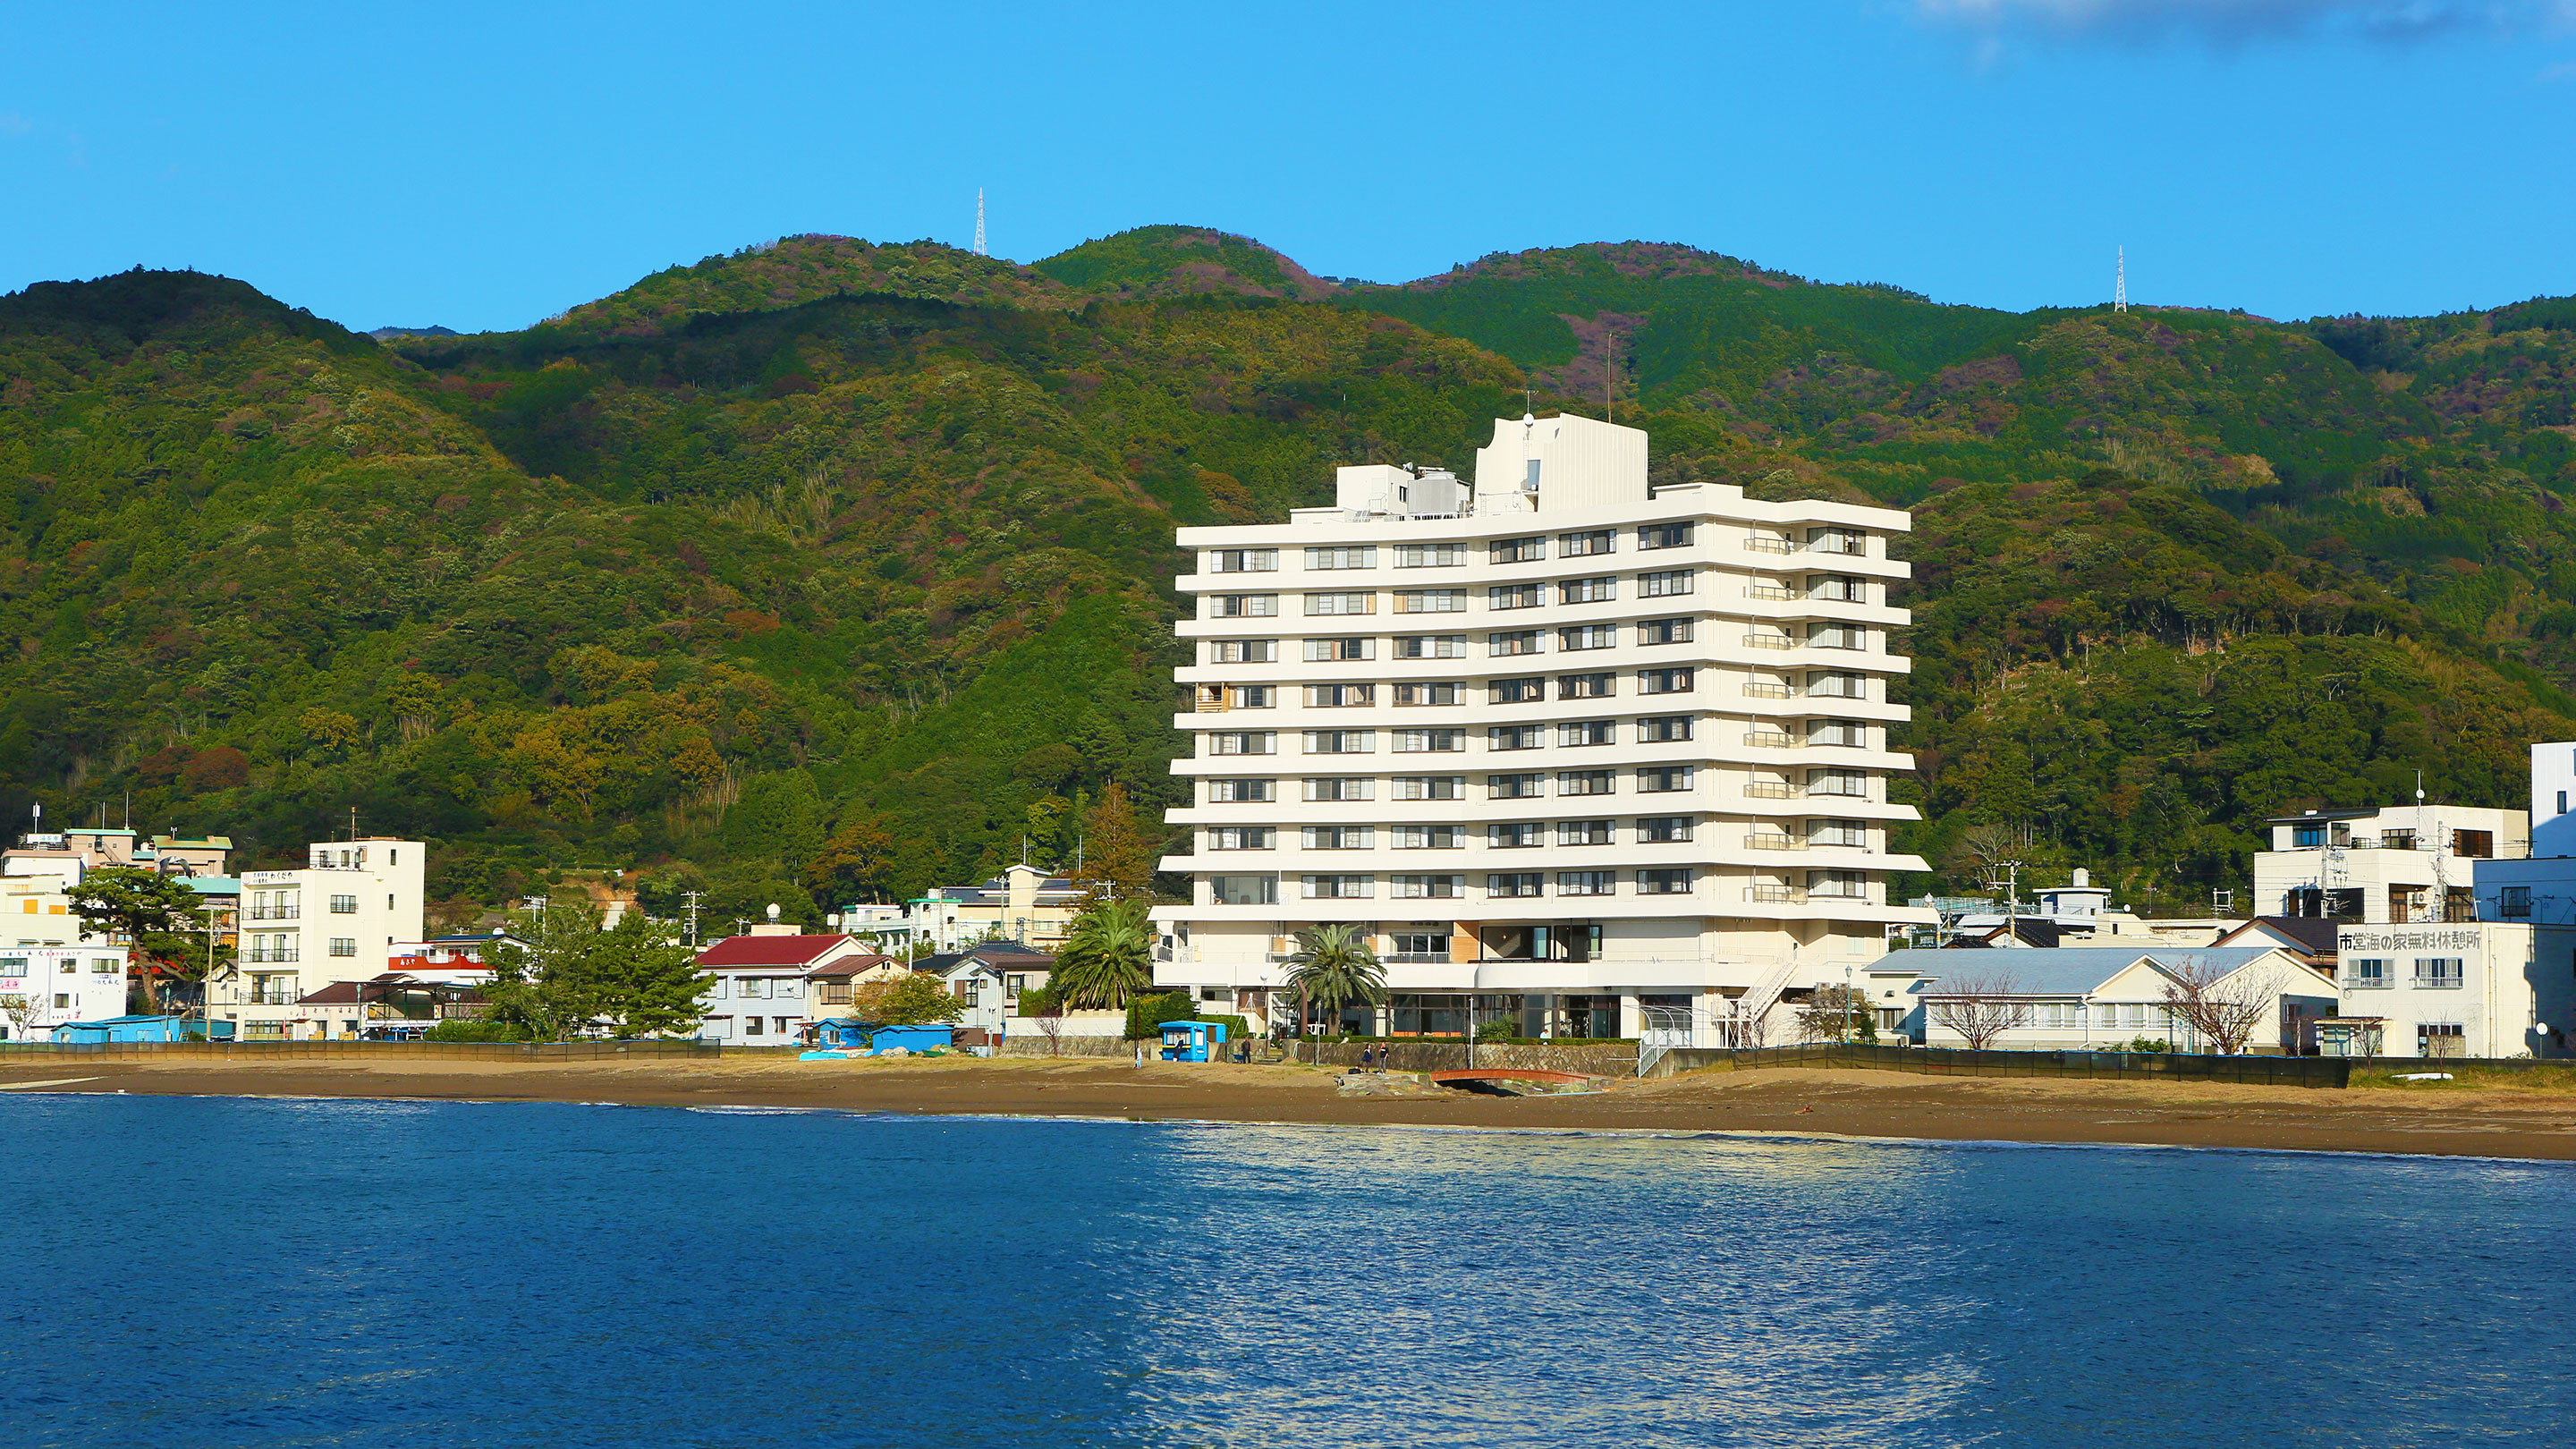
(1334, 966)
(1108, 956)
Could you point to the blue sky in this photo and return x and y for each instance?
(483, 165)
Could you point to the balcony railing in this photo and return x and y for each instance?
(1775, 895)
(271, 997)
(1768, 591)
(1767, 790)
(1771, 739)
(1773, 842)
(1758, 544)
(1769, 641)
(276, 913)
(260, 957)
(1760, 690)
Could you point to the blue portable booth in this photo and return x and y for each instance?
(1192, 1041)
(848, 1034)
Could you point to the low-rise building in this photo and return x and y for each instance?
(45, 987)
(759, 985)
(335, 919)
(2398, 865)
(1023, 903)
(2077, 998)
(2462, 989)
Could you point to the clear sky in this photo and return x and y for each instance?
(484, 165)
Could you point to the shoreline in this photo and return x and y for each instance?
(2480, 1122)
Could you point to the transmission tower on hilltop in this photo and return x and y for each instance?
(2119, 286)
(979, 221)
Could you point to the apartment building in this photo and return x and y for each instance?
(1567, 748)
(335, 919)
(42, 987)
(2384, 865)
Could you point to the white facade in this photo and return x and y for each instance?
(2100, 997)
(2480, 989)
(336, 919)
(1556, 741)
(41, 987)
(2402, 864)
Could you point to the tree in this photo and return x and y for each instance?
(1115, 849)
(635, 979)
(1108, 956)
(1979, 1008)
(857, 860)
(1333, 967)
(22, 1012)
(2224, 1008)
(154, 912)
(1046, 1008)
(1839, 1014)
(912, 999)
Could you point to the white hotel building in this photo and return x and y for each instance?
(1564, 745)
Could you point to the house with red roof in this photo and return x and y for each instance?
(768, 988)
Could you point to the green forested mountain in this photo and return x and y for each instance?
(839, 567)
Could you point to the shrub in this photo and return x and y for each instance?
(458, 1029)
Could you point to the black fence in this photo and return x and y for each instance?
(278, 1051)
(1953, 1062)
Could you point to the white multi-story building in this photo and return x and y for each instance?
(1563, 745)
(334, 920)
(2393, 865)
(42, 987)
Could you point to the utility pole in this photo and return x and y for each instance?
(691, 898)
(2119, 287)
(979, 222)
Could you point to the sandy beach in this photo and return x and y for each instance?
(2441, 1120)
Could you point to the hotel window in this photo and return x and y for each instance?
(1426, 694)
(1839, 588)
(1663, 728)
(1850, 733)
(1431, 601)
(1837, 540)
(1517, 550)
(1340, 696)
(1363, 557)
(1338, 887)
(1588, 591)
(1662, 779)
(1430, 837)
(1432, 646)
(1663, 535)
(2473, 844)
(1664, 585)
(1340, 742)
(1327, 651)
(1428, 887)
(1583, 832)
(1516, 596)
(1834, 684)
(1837, 832)
(1243, 560)
(1516, 737)
(1228, 792)
(1840, 884)
(1587, 732)
(1240, 837)
(1664, 882)
(1585, 882)
(344, 905)
(1586, 686)
(1516, 691)
(344, 946)
(1357, 787)
(1837, 782)
(1242, 742)
(1431, 787)
(1418, 742)
(1253, 696)
(1523, 642)
(2516, 904)
(1515, 787)
(1664, 631)
(1584, 545)
(1663, 829)
(1585, 782)
(1243, 606)
(1341, 604)
(1588, 636)
(1341, 837)
(1834, 636)
(1526, 883)
(1243, 890)
(1431, 944)
(2439, 973)
(2372, 972)
(1663, 681)
(1430, 555)
(1243, 651)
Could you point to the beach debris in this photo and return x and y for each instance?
(2423, 1076)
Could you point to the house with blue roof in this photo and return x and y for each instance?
(2093, 997)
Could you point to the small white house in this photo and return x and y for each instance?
(41, 987)
(2477, 989)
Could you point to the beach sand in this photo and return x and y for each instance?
(2448, 1120)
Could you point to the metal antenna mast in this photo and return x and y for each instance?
(979, 222)
(2119, 288)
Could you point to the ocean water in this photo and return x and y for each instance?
(215, 1272)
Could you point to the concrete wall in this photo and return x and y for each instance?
(1603, 1059)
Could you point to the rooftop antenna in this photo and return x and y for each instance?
(2119, 288)
(979, 222)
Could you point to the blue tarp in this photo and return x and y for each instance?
(124, 1028)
